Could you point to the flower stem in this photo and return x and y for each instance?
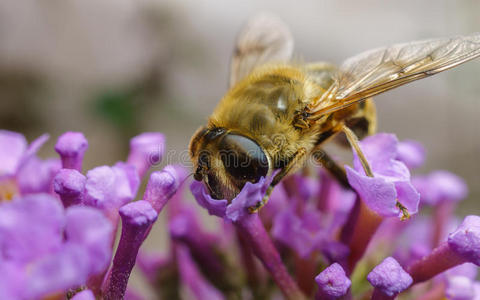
(254, 231)
(136, 219)
(442, 213)
(254, 278)
(358, 231)
(439, 260)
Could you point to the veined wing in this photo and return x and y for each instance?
(265, 38)
(379, 70)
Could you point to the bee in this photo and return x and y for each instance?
(277, 112)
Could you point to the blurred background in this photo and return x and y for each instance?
(116, 68)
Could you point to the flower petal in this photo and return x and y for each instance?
(465, 240)
(213, 206)
(146, 150)
(411, 152)
(333, 282)
(12, 148)
(389, 277)
(378, 194)
(87, 227)
(408, 196)
(23, 242)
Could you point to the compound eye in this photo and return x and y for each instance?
(243, 158)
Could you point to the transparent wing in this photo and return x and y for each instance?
(379, 70)
(265, 38)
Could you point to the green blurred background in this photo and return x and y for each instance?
(116, 68)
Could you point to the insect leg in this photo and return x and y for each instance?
(331, 165)
(296, 158)
(353, 140)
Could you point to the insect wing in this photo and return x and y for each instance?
(379, 70)
(265, 38)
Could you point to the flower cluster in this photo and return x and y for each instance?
(391, 233)
(58, 226)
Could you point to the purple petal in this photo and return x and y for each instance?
(146, 150)
(414, 242)
(468, 270)
(333, 282)
(69, 184)
(139, 213)
(57, 272)
(22, 242)
(379, 150)
(36, 175)
(35, 146)
(12, 148)
(440, 186)
(408, 196)
(100, 187)
(465, 241)
(300, 234)
(87, 227)
(111, 187)
(277, 203)
(389, 277)
(213, 206)
(412, 153)
(249, 196)
(71, 147)
(378, 194)
(161, 186)
(460, 288)
(84, 295)
(127, 182)
(334, 251)
(12, 281)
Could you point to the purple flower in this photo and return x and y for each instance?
(460, 288)
(69, 184)
(411, 153)
(47, 250)
(137, 217)
(332, 282)
(20, 242)
(84, 295)
(389, 277)
(248, 197)
(86, 227)
(413, 243)
(250, 226)
(214, 207)
(301, 233)
(391, 181)
(71, 147)
(12, 148)
(111, 187)
(440, 186)
(161, 187)
(146, 150)
(20, 169)
(36, 175)
(465, 241)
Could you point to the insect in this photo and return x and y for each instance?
(278, 112)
